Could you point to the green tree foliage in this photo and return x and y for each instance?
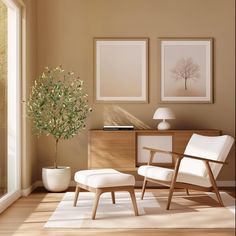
(3, 98)
(57, 105)
(3, 62)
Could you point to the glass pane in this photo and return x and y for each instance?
(3, 98)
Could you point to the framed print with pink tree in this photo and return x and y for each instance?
(187, 70)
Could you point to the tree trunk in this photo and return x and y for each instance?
(55, 157)
(185, 83)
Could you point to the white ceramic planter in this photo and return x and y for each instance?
(56, 179)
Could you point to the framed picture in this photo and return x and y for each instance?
(121, 69)
(187, 70)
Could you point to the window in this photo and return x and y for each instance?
(9, 103)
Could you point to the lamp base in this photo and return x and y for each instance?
(164, 125)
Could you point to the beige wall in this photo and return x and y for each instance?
(65, 31)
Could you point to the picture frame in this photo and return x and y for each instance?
(121, 70)
(186, 70)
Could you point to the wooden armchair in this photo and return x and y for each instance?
(197, 168)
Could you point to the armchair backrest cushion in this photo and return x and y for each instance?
(210, 147)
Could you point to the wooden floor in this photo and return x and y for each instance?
(28, 215)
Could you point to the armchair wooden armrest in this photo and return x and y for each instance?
(180, 155)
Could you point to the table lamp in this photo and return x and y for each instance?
(163, 113)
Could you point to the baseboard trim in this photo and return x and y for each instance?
(27, 191)
(219, 184)
(226, 183)
(137, 184)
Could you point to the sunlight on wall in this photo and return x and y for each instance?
(115, 115)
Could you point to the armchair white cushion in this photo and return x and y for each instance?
(200, 164)
(165, 174)
(210, 147)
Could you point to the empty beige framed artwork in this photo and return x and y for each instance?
(121, 69)
(186, 70)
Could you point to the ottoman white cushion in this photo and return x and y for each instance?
(103, 178)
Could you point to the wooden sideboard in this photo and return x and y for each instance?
(123, 150)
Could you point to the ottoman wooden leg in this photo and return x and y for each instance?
(97, 197)
(77, 190)
(133, 198)
(113, 197)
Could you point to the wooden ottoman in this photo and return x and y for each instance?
(104, 180)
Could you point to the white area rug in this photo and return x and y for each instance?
(194, 211)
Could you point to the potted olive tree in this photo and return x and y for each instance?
(59, 107)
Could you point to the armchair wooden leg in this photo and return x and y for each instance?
(143, 188)
(173, 181)
(213, 182)
(95, 206)
(133, 198)
(218, 196)
(77, 190)
(113, 197)
(187, 191)
(170, 197)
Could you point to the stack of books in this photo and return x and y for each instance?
(118, 127)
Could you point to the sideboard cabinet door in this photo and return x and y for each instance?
(112, 149)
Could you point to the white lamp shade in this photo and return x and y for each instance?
(163, 113)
